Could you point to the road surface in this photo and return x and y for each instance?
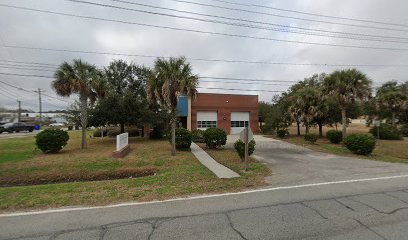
(312, 196)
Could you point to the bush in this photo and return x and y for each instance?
(404, 130)
(198, 135)
(157, 133)
(282, 133)
(51, 140)
(98, 132)
(239, 146)
(266, 129)
(113, 132)
(361, 144)
(70, 128)
(334, 136)
(183, 139)
(311, 137)
(387, 132)
(215, 137)
(133, 132)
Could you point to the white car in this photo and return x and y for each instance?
(56, 125)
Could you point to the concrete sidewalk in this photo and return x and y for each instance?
(218, 169)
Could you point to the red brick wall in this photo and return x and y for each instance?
(224, 104)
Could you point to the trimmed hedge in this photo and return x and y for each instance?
(133, 132)
(215, 137)
(183, 139)
(98, 132)
(239, 146)
(113, 132)
(362, 144)
(311, 137)
(282, 133)
(387, 132)
(198, 135)
(334, 136)
(51, 140)
(156, 133)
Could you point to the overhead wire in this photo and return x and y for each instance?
(206, 32)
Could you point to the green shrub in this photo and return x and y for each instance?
(361, 144)
(215, 137)
(311, 137)
(334, 136)
(98, 132)
(282, 133)
(70, 128)
(51, 140)
(133, 132)
(404, 130)
(239, 146)
(198, 135)
(113, 132)
(266, 129)
(156, 133)
(387, 132)
(183, 139)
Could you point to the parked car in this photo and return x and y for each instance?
(16, 127)
(57, 125)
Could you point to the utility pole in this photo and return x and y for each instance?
(40, 104)
(19, 110)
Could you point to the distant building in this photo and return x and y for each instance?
(231, 112)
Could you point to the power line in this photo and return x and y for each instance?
(33, 63)
(207, 32)
(25, 68)
(239, 89)
(288, 17)
(204, 59)
(257, 22)
(313, 14)
(281, 28)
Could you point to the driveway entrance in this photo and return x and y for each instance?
(296, 165)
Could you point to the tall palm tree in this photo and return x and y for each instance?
(306, 105)
(392, 96)
(346, 87)
(170, 79)
(83, 79)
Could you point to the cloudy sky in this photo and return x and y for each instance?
(376, 35)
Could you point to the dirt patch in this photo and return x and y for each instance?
(55, 177)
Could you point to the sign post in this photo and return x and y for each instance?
(245, 135)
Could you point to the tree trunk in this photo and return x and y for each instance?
(320, 129)
(393, 118)
(307, 127)
(344, 122)
(298, 127)
(84, 119)
(173, 138)
(122, 128)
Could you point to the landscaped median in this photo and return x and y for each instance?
(89, 177)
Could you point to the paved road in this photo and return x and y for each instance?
(376, 209)
(367, 201)
(18, 135)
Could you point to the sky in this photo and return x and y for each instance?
(133, 34)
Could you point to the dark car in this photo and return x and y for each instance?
(16, 127)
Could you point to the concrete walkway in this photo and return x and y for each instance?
(218, 169)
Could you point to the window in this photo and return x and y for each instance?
(206, 124)
(239, 123)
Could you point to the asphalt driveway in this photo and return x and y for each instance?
(295, 165)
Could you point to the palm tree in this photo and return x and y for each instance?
(392, 96)
(83, 79)
(170, 79)
(347, 86)
(306, 105)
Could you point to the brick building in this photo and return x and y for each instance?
(230, 112)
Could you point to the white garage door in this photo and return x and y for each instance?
(239, 120)
(206, 120)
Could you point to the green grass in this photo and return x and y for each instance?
(386, 150)
(17, 149)
(182, 175)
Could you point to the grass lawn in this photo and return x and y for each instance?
(386, 150)
(175, 176)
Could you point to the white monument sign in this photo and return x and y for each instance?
(122, 140)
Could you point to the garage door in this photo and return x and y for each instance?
(239, 120)
(206, 120)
